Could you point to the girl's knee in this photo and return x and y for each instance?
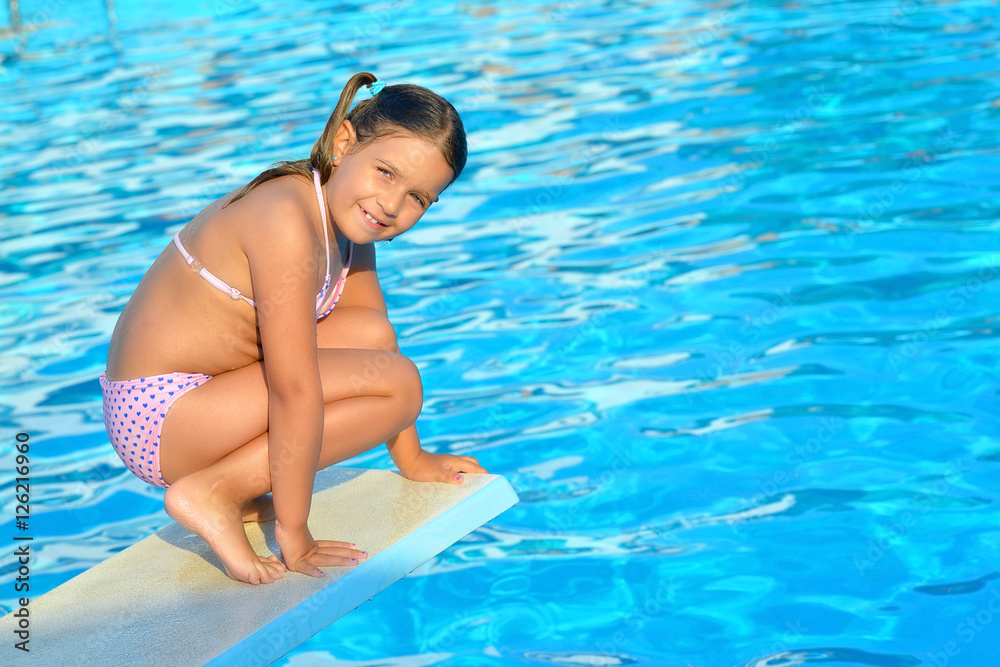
(357, 327)
(374, 330)
(382, 333)
(382, 372)
(410, 389)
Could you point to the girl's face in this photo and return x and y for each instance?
(380, 190)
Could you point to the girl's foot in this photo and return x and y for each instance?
(192, 502)
(259, 509)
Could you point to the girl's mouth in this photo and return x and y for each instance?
(372, 220)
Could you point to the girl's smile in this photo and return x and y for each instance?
(381, 190)
(373, 221)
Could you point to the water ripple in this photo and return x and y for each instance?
(690, 237)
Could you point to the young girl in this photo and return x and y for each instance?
(231, 374)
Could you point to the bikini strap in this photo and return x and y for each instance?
(209, 277)
(322, 212)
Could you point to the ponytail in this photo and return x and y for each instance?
(405, 107)
(320, 157)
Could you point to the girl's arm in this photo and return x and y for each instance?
(279, 248)
(363, 289)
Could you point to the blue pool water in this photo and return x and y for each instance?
(717, 293)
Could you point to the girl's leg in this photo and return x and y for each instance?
(214, 446)
(243, 392)
(358, 328)
(346, 327)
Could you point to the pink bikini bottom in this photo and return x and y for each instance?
(133, 416)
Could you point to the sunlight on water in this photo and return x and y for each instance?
(716, 292)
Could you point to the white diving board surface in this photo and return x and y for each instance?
(166, 600)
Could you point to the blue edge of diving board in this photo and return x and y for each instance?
(303, 621)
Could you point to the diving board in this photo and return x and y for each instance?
(166, 600)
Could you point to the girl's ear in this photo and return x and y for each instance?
(345, 139)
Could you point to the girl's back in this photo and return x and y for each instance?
(176, 321)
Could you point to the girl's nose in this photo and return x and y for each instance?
(390, 202)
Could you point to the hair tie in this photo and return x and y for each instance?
(375, 87)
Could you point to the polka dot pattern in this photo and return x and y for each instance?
(133, 416)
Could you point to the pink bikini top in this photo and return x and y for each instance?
(235, 293)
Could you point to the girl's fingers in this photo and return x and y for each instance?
(452, 470)
(470, 464)
(327, 553)
(345, 555)
(305, 567)
(329, 557)
(330, 560)
(330, 544)
(276, 562)
(339, 548)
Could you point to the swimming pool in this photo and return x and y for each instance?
(716, 292)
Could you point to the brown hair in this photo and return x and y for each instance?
(400, 107)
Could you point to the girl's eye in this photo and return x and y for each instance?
(417, 199)
(384, 171)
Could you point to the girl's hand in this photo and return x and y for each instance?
(302, 553)
(427, 467)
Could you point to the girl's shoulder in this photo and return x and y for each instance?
(288, 194)
(281, 209)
